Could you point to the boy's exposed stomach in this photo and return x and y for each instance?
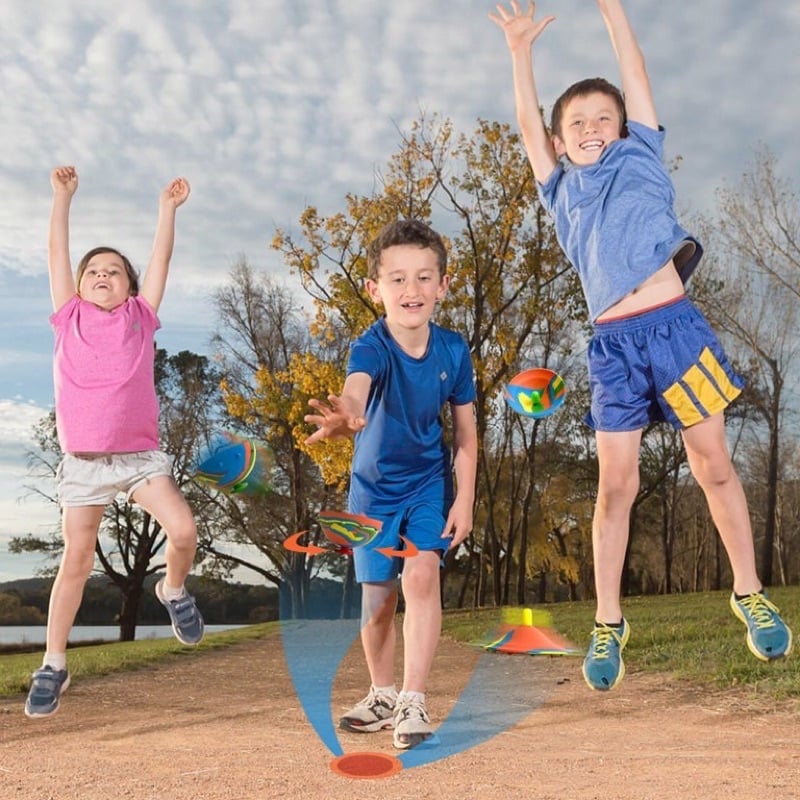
(661, 287)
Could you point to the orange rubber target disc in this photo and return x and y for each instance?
(366, 765)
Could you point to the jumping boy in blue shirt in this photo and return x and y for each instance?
(402, 371)
(652, 356)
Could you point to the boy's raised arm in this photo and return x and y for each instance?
(154, 283)
(64, 181)
(635, 81)
(521, 31)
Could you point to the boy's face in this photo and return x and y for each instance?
(105, 281)
(589, 124)
(408, 285)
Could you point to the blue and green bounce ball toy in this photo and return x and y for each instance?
(536, 392)
(235, 464)
(348, 530)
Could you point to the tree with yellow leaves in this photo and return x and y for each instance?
(512, 295)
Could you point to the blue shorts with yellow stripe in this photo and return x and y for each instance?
(663, 364)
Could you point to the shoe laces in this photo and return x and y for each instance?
(413, 708)
(378, 699)
(603, 636)
(760, 610)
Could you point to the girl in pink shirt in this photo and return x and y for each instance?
(107, 422)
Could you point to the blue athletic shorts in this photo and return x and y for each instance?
(421, 524)
(664, 364)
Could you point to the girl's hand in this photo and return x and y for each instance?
(176, 192)
(64, 180)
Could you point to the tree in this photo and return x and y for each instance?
(273, 363)
(755, 240)
(13, 612)
(758, 221)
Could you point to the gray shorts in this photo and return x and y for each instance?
(95, 479)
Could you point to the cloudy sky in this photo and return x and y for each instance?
(269, 106)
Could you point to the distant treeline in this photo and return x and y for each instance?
(24, 602)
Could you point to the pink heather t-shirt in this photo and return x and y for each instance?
(103, 375)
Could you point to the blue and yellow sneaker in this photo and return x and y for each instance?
(768, 636)
(603, 667)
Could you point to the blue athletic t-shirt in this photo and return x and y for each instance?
(400, 456)
(615, 218)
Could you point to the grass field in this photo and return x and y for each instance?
(693, 637)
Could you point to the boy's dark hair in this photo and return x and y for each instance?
(581, 89)
(133, 276)
(401, 232)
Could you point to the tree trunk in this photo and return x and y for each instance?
(771, 512)
(129, 612)
(348, 592)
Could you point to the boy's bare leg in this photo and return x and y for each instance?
(618, 482)
(378, 637)
(768, 636)
(618, 457)
(378, 634)
(422, 622)
(707, 451)
(422, 625)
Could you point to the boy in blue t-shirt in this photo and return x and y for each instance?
(652, 356)
(401, 373)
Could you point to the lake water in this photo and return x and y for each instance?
(36, 634)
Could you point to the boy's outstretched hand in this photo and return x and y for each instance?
(333, 421)
(64, 180)
(176, 192)
(520, 28)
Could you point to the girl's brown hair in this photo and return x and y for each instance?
(133, 276)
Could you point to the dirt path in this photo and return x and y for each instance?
(227, 725)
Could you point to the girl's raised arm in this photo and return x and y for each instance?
(173, 195)
(64, 181)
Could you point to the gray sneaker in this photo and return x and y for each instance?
(187, 622)
(45, 693)
(374, 713)
(412, 726)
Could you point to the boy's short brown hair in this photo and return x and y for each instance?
(405, 232)
(581, 89)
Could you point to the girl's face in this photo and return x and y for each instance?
(105, 281)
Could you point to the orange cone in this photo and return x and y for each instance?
(534, 640)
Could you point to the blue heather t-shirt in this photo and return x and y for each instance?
(400, 456)
(615, 218)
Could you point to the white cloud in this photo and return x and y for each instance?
(17, 420)
(22, 510)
